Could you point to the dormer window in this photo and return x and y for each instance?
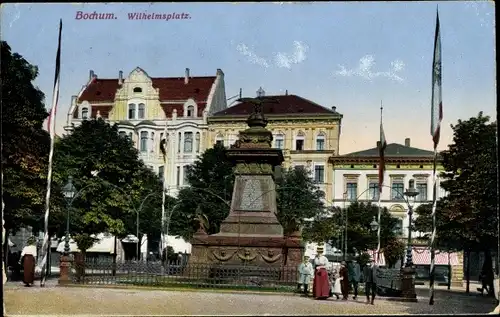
(137, 89)
(190, 111)
(85, 113)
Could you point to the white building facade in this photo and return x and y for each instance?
(148, 109)
(355, 177)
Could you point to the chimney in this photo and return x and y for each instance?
(186, 77)
(120, 77)
(334, 109)
(241, 91)
(286, 92)
(407, 142)
(91, 74)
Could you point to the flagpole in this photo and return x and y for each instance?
(381, 180)
(436, 118)
(51, 128)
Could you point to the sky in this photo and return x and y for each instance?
(354, 55)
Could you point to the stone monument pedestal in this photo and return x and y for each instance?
(251, 235)
(65, 262)
(408, 284)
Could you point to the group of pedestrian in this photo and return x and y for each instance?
(338, 280)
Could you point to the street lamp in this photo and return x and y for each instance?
(69, 192)
(411, 193)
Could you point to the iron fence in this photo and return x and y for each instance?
(182, 274)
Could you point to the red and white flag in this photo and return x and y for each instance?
(437, 99)
(381, 149)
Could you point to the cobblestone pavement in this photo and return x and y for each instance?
(54, 300)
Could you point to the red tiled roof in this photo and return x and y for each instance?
(171, 89)
(287, 104)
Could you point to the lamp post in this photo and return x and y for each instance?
(69, 192)
(411, 193)
(374, 224)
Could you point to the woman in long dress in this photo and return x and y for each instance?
(321, 285)
(28, 256)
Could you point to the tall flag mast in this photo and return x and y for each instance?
(436, 118)
(381, 171)
(52, 131)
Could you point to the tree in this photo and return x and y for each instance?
(298, 198)
(360, 236)
(393, 250)
(106, 201)
(210, 189)
(468, 213)
(25, 145)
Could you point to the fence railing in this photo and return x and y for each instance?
(182, 274)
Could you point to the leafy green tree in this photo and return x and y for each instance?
(210, 190)
(298, 198)
(360, 236)
(467, 214)
(394, 249)
(106, 201)
(25, 145)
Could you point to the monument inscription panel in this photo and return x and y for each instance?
(252, 196)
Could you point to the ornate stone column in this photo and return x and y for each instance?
(65, 262)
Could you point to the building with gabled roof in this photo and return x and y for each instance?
(308, 133)
(148, 109)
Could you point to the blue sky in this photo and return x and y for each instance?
(348, 55)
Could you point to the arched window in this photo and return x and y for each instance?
(197, 139)
(279, 141)
(219, 139)
(137, 89)
(299, 141)
(85, 113)
(142, 111)
(144, 141)
(188, 142)
(190, 111)
(122, 133)
(320, 142)
(131, 111)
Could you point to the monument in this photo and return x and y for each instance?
(251, 235)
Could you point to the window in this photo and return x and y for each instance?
(122, 133)
(142, 111)
(398, 187)
(137, 89)
(190, 111)
(352, 190)
(152, 147)
(279, 141)
(130, 135)
(184, 175)
(85, 113)
(197, 142)
(422, 191)
(178, 175)
(320, 142)
(161, 171)
(179, 140)
(188, 142)
(319, 174)
(131, 111)
(373, 190)
(219, 139)
(144, 141)
(299, 142)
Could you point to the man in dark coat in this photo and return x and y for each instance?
(344, 283)
(369, 274)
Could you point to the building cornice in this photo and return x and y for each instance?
(336, 160)
(280, 117)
